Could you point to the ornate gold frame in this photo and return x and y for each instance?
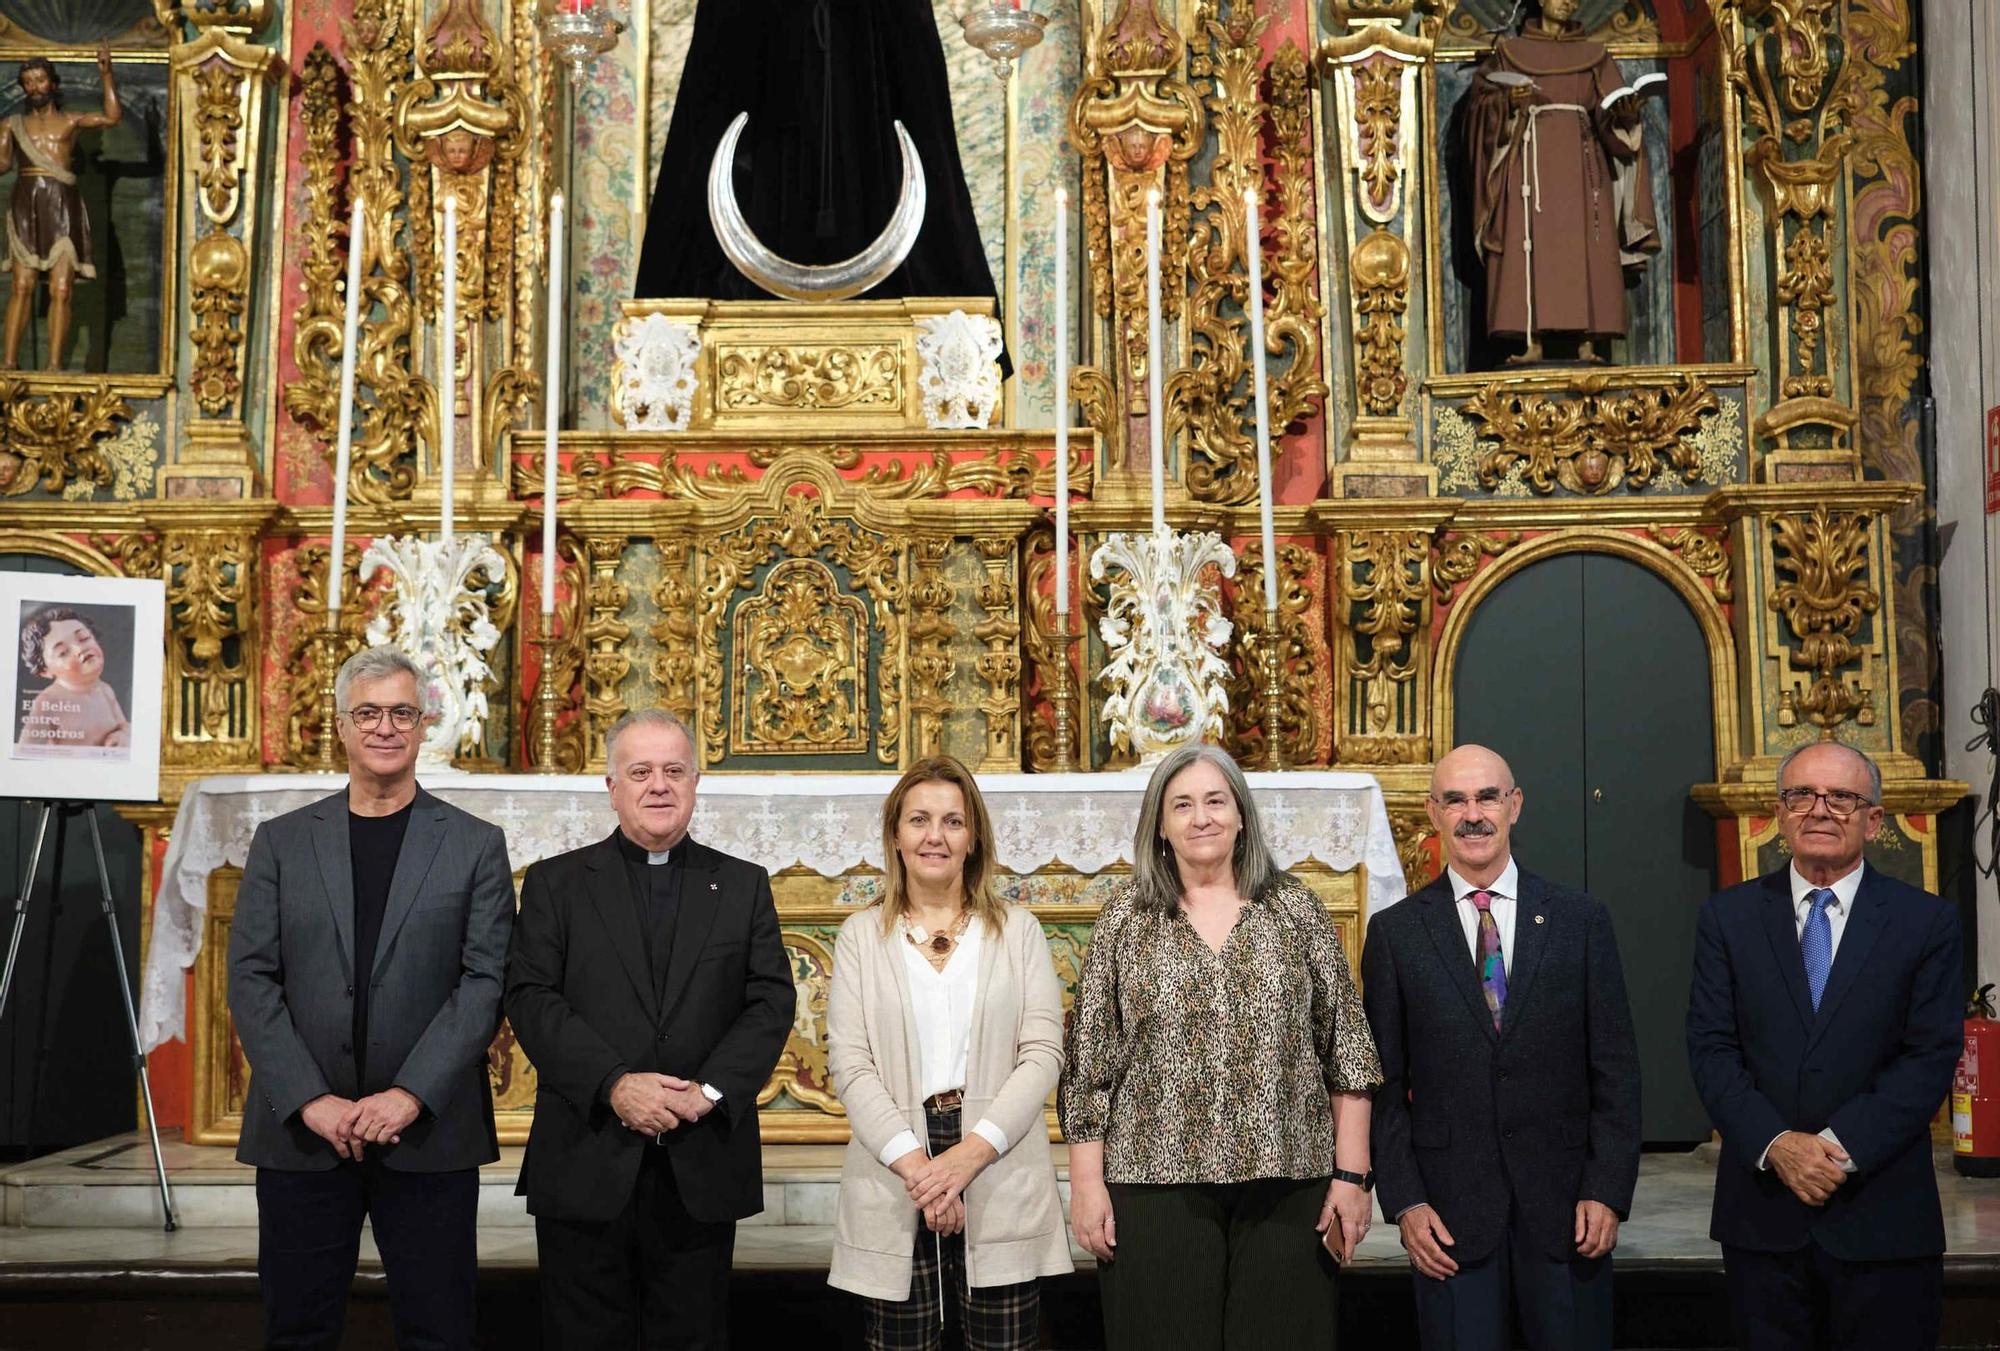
(1662, 561)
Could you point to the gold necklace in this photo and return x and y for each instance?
(937, 946)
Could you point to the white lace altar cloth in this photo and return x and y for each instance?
(830, 823)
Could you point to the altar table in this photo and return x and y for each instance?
(818, 834)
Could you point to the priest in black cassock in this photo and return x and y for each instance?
(818, 171)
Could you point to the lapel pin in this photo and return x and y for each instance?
(714, 886)
(1540, 919)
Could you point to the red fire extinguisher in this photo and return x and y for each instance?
(1975, 1092)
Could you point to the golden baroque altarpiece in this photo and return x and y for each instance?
(817, 581)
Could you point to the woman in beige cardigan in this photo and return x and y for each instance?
(945, 1011)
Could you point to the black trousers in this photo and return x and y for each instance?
(1563, 1305)
(309, 1235)
(1810, 1300)
(654, 1277)
(1234, 1266)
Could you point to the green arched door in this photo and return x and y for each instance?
(1590, 675)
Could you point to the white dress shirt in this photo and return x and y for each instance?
(1837, 911)
(1506, 894)
(943, 1002)
(1843, 890)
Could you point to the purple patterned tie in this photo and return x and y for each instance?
(1492, 967)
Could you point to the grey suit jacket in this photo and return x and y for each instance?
(433, 982)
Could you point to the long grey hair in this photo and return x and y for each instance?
(1155, 870)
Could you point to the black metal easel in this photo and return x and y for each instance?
(62, 812)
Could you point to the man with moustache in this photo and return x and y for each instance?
(1825, 1021)
(365, 962)
(649, 986)
(1506, 1130)
(48, 231)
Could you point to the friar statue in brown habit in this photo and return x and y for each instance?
(1562, 203)
(48, 231)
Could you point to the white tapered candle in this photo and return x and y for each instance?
(1155, 358)
(552, 390)
(1062, 407)
(448, 367)
(344, 438)
(1253, 245)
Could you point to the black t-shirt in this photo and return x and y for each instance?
(373, 842)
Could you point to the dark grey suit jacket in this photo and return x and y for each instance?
(434, 984)
(1534, 1118)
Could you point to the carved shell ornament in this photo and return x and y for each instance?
(813, 281)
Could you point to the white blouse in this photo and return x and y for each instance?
(942, 1002)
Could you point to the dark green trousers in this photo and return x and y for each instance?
(1233, 1266)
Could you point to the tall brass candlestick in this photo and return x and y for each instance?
(327, 657)
(1063, 696)
(1275, 754)
(547, 698)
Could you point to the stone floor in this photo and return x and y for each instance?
(84, 1263)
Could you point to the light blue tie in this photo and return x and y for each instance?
(1816, 943)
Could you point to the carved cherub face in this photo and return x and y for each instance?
(458, 149)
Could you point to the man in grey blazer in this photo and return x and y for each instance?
(365, 965)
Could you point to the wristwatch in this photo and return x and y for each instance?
(712, 1093)
(1365, 1181)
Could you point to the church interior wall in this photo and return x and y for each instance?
(1761, 425)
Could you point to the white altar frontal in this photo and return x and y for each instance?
(1060, 840)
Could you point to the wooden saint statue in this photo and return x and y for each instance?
(1562, 203)
(48, 232)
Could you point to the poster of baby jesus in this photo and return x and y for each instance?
(85, 687)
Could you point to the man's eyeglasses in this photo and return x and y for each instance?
(1486, 799)
(368, 717)
(1799, 801)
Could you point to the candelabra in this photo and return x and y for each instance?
(1164, 632)
(1003, 32)
(547, 699)
(436, 615)
(1276, 756)
(1063, 696)
(328, 653)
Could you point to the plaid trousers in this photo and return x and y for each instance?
(995, 1318)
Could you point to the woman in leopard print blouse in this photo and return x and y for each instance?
(1216, 1099)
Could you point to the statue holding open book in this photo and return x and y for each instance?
(1562, 204)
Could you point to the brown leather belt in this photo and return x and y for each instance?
(948, 1101)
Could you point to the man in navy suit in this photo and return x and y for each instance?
(1506, 1130)
(1823, 1028)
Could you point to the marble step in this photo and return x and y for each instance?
(110, 1184)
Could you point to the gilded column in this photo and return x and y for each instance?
(222, 77)
(1375, 70)
(1000, 664)
(1136, 123)
(930, 632)
(605, 663)
(1790, 65)
(1381, 594)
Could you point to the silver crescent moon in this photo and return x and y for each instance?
(813, 281)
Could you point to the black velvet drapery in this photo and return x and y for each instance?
(818, 169)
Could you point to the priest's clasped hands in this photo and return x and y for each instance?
(654, 1103)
